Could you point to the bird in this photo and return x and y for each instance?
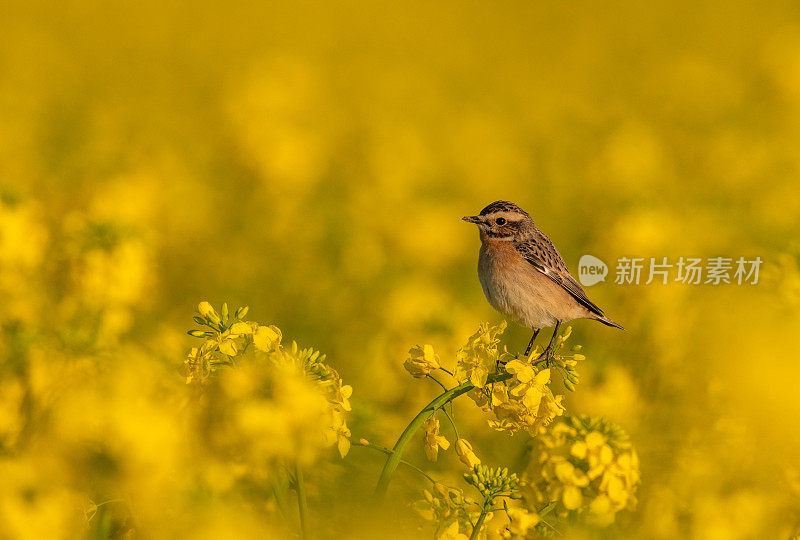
(525, 277)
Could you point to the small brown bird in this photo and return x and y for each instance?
(524, 276)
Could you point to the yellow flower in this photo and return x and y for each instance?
(479, 356)
(241, 329)
(480, 399)
(433, 440)
(228, 343)
(524, 402)
(602, 513)
(627, 466)
(595, 450)
(421, 361)
(338, 433)
(444, 506)
(521, 521)
(532, 386)
(199, 362)
(440, 503)
(207, 311)
(341, 395)
(550, 407)
(466, 454)
(586, 463)
(267, 338)
(572, 480)
(522, 371)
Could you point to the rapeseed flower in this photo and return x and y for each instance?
(521, 521)
(433, 440)
(466, 454)
(479, 356)
(587, 465)
(421, 361)
(444, 506)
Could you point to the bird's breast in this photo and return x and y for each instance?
(502, 274)
(499, 255)
(516, 289)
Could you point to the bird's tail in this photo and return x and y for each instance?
(608, 322)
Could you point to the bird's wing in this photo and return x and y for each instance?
(545, 258)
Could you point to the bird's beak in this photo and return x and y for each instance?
(472, 219)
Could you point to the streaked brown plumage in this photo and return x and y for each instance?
(524, 276)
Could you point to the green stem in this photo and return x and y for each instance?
(452, 423)
(389, 453)
(476, 530)
(546, 509)
(280, 498)
(302, 504)
(397, 451)
(434, 379)
(98, 505)
(437, 381)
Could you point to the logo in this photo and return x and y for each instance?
(591, 270)
(688, 270)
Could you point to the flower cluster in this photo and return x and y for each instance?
(456, 514)
(224, 339)
(297, 383)
(580, 465)
(480, 356)
(524, 401)
(585, 464)
(492, 482)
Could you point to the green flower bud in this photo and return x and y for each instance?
(207, 311)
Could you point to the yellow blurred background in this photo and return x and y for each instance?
(313, 160)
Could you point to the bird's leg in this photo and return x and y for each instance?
(530, 343)
(549, 350)
(501, 364)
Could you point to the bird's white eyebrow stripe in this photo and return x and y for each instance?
(508, 216)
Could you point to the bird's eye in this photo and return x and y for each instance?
(501, 221)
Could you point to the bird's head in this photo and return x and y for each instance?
(501, 220)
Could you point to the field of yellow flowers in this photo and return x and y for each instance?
(165, 165)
